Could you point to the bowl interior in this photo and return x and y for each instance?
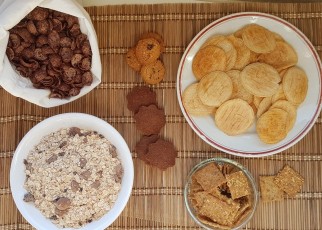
(221, 161)
(55, 123)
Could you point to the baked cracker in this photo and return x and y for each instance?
(269, 190)
(238, 185)
(209, 177)
(289, 181)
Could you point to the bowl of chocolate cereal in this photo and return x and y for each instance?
(51, 55)
(220, 194)
(71, 171)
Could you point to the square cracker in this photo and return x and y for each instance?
(219, 211)
(210, 222)
(195, 186)
(269, 190)
(238, 184)
(209, 177)
(289, 181)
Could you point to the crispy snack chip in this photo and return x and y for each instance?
(258, 39)
(193, 104)
(289, 181)
(223, 43)
(260, 79)
(243, 53)
(264, 106)
(295, 85)
(291, 111)
(208, 59)
(215, 88)
(279, 95)
(282, 57)
(209, 177)
(234, 117)
(238, 90)
(271, 126)
(269, 190)
(238, 185)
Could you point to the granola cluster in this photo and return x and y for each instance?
(73, 176)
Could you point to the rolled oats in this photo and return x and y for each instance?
(73, 176)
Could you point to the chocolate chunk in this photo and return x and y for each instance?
(28, 197)
(85, 175)
(63, 203)
(52, 159)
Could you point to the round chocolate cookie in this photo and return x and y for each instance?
(142, 146)
(150, 119)
(161, 154)
(140, 95)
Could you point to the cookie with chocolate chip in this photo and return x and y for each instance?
(147, 50)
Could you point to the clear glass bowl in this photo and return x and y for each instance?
(220, 161)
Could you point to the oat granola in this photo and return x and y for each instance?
(73, 176)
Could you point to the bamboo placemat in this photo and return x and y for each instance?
(157, 197)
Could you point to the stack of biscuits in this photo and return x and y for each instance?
(144, 58)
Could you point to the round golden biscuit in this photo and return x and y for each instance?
(257, 101)
(153, 73)
(239, 33)
(238, 89)
(291, 111)
(271, 126)
(223, 43)
(258, 39)
(264, 106)
(260, 79)
(279, 95)
(282, 57)
(234, 117)
(253, 107)
(243, 53)
(157, 37)
(208, 59)
(215, 88)
(132, 61)
(295, 85)
(193, 104)
(147, 50)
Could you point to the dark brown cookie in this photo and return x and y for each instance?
(161, 154)
(140, 95)
(150, 119)
(142, 146)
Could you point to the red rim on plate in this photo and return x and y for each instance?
(226, 149)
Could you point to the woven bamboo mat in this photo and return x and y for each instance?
(157, 200)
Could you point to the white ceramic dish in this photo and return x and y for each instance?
(52, 124)
(249, 144)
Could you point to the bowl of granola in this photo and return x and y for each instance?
(220, 194)
(71, 171)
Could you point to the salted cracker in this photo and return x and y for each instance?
(269, 190)
(289, 181)
(209, 177)
(238, 185)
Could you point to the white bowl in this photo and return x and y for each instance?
(55, 123)
(248, 144)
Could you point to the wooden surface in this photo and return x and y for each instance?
(157, 197)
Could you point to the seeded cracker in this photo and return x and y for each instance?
(269, 190)
(219, 211)
(195, 186)
(289, 181)
(238, 185)
(209, 177)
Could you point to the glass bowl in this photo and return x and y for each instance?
(237, 167)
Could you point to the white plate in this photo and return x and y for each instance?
(249, 144)
(55, 123)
